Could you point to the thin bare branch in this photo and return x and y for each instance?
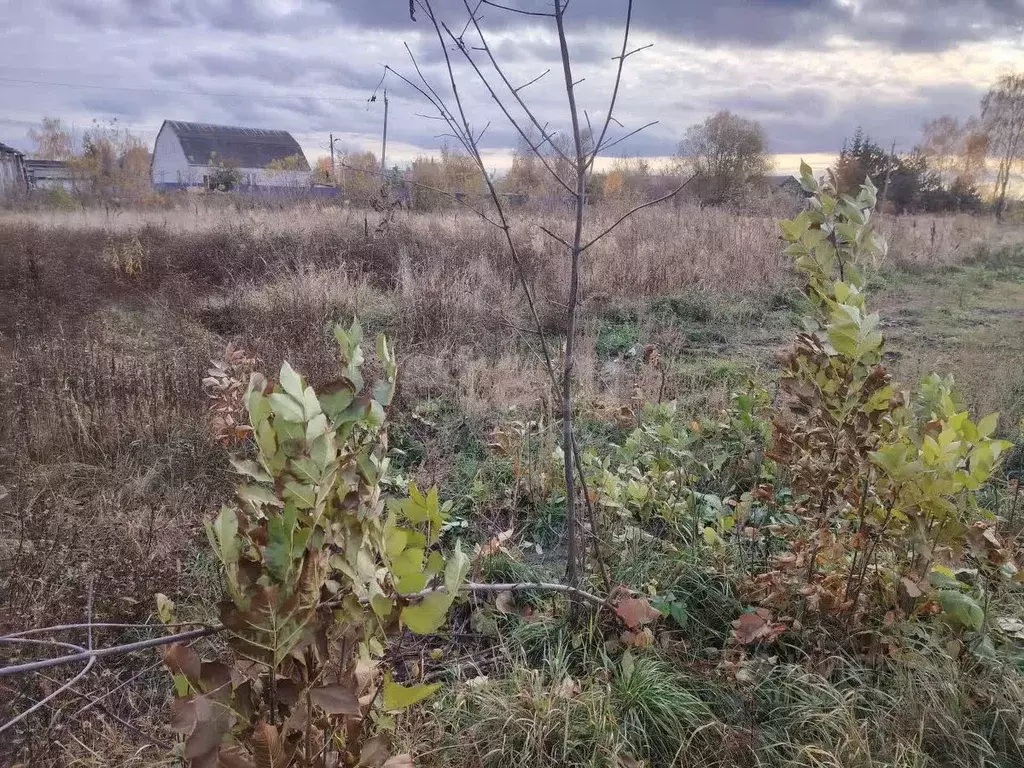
(629, 135)
(469, 20)
(98, 625)
(496, 198)
(637, 209)
(90, 661)
(99, 653)
(505, 110)
(527, 85)
(545, 136)
(615, 90)
(633, 52)
(553, 236)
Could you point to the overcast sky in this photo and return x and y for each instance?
(809, 70)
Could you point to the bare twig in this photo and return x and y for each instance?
(85, 654)
(99, 653)
(531, 82)
(505, 110)
(553, 236)
(599, 141)
(545, 136)
(492, 190)
(637, 209)
(629, 135)
(90, 661)
(98, 625)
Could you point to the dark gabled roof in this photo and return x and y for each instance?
(6, 150)
(785, 180)
(249, 147)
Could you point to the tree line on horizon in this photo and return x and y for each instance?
(726, 156)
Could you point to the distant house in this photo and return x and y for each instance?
(49, 174)
(203, 155)
(12, 172)
(787, 184)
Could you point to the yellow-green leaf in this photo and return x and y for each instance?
(223, 535)
(398, 697)
(429, 614)
(164, 608)
(291, 382)
(988, 425)
(455, 570)
(286, 407)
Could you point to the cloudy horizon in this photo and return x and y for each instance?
(810, 71)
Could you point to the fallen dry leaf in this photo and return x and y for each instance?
(493, 546)
(636, 611)
(505, 602)
(642, 639)
(755, 627)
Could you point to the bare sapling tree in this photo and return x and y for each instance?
(568, 160)
(1002, 111)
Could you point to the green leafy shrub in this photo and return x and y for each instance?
(320, 568)
(884, 481)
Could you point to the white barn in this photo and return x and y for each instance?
(189, 154)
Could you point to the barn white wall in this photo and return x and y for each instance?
(170, 166)
(261, 177)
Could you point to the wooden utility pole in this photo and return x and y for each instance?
(333, 172)
(384, 143)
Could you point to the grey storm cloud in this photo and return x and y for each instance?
(309, 65)
(915, 24)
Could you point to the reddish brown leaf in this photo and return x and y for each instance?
(182, 718)
(267, 747)
(636, 611)
(642, 639)
(182, 660)
(336, 700)
(375, 752)
(215, 677)
(756, 627)
(212, 721)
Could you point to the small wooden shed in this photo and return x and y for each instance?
(13, 181)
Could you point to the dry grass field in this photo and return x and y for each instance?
(107, 468)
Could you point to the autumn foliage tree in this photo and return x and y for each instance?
(1002, 111)
(723, 154)
(53, 140)
(113, 163)
(359, 176)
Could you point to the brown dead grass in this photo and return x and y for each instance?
(106, 470)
